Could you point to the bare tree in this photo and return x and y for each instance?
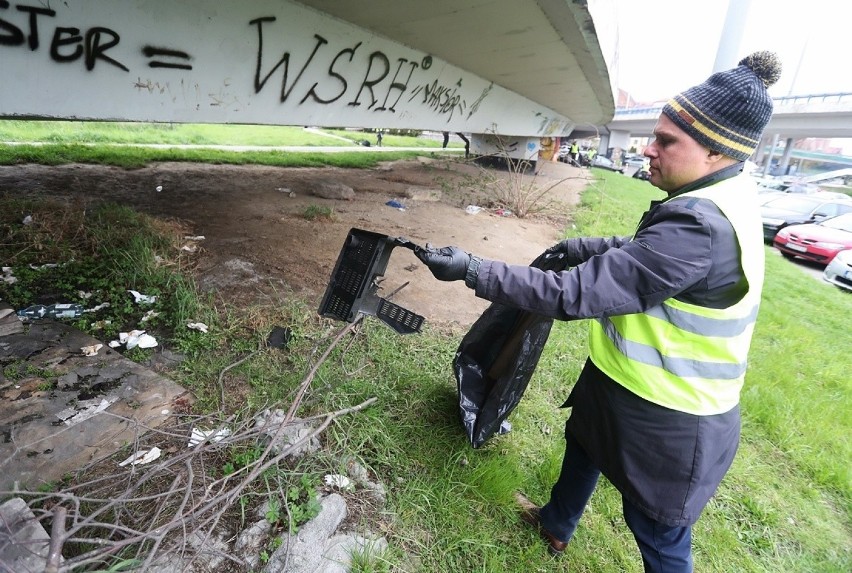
(524, 192)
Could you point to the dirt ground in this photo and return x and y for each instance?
(257, 237)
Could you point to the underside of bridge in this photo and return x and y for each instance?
(532, 68)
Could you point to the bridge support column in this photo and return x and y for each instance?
(614, 144)
(499, 149)
(767, 166)
(760, 152)
(784, 164)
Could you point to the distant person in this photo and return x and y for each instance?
(466, 144)
(379, 138)
(446, 139)
(672, 309)
(574, 150)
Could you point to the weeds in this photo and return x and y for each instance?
(301, 504)
(318, 212)
(296, 506)
(70, 253)
(522, 192)
(155, 513)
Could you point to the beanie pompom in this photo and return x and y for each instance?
(765, 66)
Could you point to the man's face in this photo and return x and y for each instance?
(676, 159)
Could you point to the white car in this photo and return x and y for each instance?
(606, 163)
(839, 270)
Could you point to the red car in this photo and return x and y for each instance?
(816, 242)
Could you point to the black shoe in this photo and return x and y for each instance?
(531, 514)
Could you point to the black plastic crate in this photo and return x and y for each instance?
(352, 288)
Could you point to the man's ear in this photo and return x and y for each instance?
(715, 157)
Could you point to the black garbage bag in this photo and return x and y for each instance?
(496, 359)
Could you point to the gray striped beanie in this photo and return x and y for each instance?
(728, 112)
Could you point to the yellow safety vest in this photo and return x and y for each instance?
(683, 356)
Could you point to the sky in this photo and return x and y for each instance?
(666, 46)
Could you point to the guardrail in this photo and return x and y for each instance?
(827, 98)
(837, 101)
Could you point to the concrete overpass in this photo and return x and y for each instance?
(816, 115)
(794, 117)
(531, 68)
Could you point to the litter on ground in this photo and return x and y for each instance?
(140, 298)
(200, 326)
(142, 457)
(199, 436)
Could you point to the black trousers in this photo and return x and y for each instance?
(664, 549)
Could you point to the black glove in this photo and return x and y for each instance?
(449, 263)
(570, 250)
(566, 246)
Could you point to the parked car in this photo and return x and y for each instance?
(816, 242)
(634, 160)
(839, 270)
(833, 195)
(606, 163)
(764, 198)
(796, 209)
(642, 173)
(785, 185)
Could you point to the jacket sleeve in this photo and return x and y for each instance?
(668, 254)
(580, 249)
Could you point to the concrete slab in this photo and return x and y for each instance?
(24, 544)
(61, 410)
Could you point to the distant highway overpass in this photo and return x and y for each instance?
(816, 115)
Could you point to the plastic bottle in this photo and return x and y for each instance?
(38, 311)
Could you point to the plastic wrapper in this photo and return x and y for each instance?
(496, 360)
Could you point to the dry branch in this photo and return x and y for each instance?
(161, 510)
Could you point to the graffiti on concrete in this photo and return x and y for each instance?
(375, 80)
(374, 89)
(286, 65)
(167, 53)
(443, 99)
(475, 106)
(68, 44)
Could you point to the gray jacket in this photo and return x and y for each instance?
(684, 248)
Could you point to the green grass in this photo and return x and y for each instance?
(817, 428)
(117, 144)
(314, 212)
(137, 157)
(390, 140)
(68, 132)
(160, 133)
(784, 506)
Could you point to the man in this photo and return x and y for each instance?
(590, 154)
(673, 307)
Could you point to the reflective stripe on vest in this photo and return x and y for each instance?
(683, 356)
